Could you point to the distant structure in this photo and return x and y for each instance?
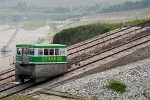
(5, 47)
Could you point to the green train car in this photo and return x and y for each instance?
(40, 61)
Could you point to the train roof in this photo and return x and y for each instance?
(41, 46)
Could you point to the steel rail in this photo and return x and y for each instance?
(13, 86)
(6, 83)
(7, 77)
(111, 48)
(103, 41)
(83, 66)
(7, 71)
(115, 53)
(140, 24)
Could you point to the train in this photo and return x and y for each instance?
(38, 62)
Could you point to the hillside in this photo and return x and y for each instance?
(14, 10)
(78, 34)
(128, 5)
(47, 3)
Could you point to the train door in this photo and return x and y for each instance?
(25, 55)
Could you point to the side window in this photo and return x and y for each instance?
(56, 51)
(31, 51)
(19, 51)
(45, 51)
(51, 51)
(40, 51)
(62, 52)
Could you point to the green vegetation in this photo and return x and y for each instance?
(94, 98)
(78, 34)
(51, 9)
(135, 22)
(117, 86)
(128, 5)
(74, 35)
(56, 3)
(23, 98)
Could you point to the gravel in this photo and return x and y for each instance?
(136, 76)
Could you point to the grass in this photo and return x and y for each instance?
(94, 98)
(23, 98)
(135, 22)
(81, 33)
(117, 86)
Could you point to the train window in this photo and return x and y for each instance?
(51, 52)
(31, 51)
(62, 52)
(40, 51)
(19, 51)
(56, 51)
(45, 51)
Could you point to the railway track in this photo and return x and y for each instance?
(7, 82)
(83, 62)
(15, 89)
(114, 50)
(111, 46)
(76, 72)
(7, 71)
(111, 37)
(6, 77)
(144, 24)
(98, 43)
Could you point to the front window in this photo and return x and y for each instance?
(19, 51)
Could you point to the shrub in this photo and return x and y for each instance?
(117, 86)
(81, 33)
(94, 98)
